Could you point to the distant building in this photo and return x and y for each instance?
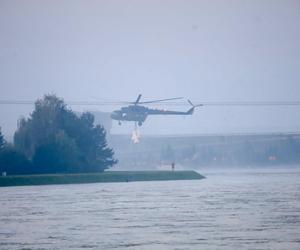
(198, 151)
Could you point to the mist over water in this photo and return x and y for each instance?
(232, 209)
(112, 51)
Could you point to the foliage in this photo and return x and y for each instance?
(2, 141)
(13, 162)
(57, 140)
(58, 156)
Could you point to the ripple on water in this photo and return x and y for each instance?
(242, 210)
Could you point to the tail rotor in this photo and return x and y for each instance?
(191, 110)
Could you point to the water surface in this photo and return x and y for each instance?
(253, 209)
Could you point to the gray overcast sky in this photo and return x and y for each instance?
(203, 50)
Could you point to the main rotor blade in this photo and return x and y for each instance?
(161, 100)
(138, 99)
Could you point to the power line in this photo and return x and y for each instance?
(119, 103)
(257, 103)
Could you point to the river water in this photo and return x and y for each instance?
(253, 209)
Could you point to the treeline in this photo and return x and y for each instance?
(209, 151)
(285, 150)
(56, 140)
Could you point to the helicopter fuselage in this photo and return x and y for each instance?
(139, 113)
(134, 113)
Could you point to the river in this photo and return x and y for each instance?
(230, 209)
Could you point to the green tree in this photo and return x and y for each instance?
(57, 140)
(14, 162)
(59, 155)
(2, 141)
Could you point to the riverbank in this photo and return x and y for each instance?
(109, 176)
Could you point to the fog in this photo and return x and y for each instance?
(115, 50)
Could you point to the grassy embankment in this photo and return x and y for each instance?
(109, 176)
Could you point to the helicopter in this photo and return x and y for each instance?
(138, 113)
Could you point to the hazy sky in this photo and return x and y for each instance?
(203, 50)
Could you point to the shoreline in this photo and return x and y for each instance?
(105, 177)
